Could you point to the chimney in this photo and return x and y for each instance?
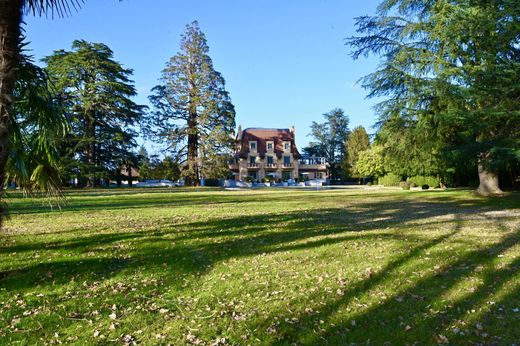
(293, 130)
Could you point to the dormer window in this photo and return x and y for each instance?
(252, 146)
(286, 146)
(270, 146)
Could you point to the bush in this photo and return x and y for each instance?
(390, 180)
(405, 185)
(420, 180)
(211, 182)
(249, 179)
(425, 187)
(369, 183)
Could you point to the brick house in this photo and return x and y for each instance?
(261, 152)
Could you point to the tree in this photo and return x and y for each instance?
(451, 70)
(371, 162)
(216, 166)
(357, 141)
(96, 92)
(193, 113)
(167, 169)
(329, 139)
(144, 164)
(10, 43)
(37, 128)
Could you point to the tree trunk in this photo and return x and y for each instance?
(10, 19)
(488, 182)
(192, 176)
(118, 176)
(129, 173)
(90, 150)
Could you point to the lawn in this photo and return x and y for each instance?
(281, 266)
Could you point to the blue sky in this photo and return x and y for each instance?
(284, 61)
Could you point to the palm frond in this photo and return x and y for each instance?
(60, 8)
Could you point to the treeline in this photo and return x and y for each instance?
(449, 74)
(76, 121)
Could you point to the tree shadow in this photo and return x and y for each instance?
(194, 248)
(421, 313)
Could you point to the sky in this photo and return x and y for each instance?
(285, 62)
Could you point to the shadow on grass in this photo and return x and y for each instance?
(422, 313)
(194, 248)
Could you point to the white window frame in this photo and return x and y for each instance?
(288, 145)
(256, 146)
(267, 146)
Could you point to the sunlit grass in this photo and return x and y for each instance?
(280, 266)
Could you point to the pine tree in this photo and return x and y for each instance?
(96, 92)
(193, 112)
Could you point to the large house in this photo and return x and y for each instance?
(261, 152)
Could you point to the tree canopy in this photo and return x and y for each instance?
(357, 141)
(96, 93)
(329, 139)
(449, 72)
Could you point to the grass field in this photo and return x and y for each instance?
(214, 267)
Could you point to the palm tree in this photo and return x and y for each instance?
(38, 125)
(11, 12)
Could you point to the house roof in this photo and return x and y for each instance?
(264, 135)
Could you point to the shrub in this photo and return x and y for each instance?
(249, 179)
(390, 180)
(420, 180)
(369, 183)
(425, 187)
(405, 185)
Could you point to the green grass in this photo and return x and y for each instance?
(181, 266)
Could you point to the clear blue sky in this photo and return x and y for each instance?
(284, 61)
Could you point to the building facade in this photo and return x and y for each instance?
(261, 152)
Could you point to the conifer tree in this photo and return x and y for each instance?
(193, 114)
(96, 92)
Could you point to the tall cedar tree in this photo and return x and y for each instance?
(10, 42)
(193, 112)
(357, 141)
(329, 140)
(451, 69)
(96, 92)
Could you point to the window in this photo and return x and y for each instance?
(252, 160)
(270, 146)
(270, 160)
(286, 175)
(286, 145)
(252, 146)
(286, 160)
(252, 174)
